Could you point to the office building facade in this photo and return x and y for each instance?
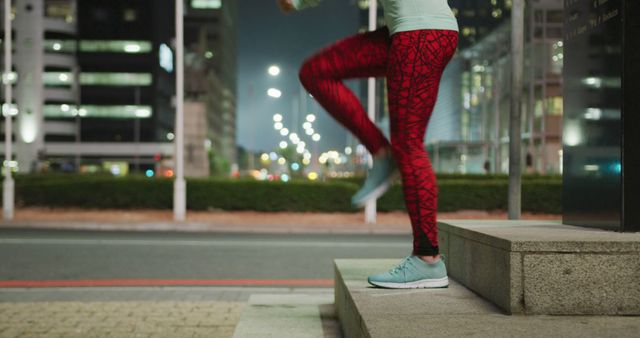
(95, 84)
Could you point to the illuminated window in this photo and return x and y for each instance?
(57, 78)
(206, 4)
(112, 112)
(115, 79)
(11, 78)
(60, 9)
(115, 46)
(98, 79)
(60, 46)
(166, 58)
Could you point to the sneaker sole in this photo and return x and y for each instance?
(420, 284)
(377, 192)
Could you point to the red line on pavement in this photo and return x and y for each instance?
(164, 282)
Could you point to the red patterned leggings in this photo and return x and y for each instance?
(413, 63)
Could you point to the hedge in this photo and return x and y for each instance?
(542, 195)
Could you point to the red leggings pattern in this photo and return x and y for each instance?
(413, 63)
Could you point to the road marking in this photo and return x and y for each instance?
(206, 243)
(164, 282)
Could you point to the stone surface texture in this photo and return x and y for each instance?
(456, 311)
(538, 267)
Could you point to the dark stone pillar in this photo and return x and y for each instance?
(601, 133)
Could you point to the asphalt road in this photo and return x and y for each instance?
(77, 255)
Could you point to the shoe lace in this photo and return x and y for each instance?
(402, 266)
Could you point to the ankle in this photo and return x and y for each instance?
(430, 259)
(382, 153)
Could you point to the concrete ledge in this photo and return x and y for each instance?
(453, 312)
(545, 268)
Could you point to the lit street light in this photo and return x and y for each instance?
(275, 93)
(274, 70)
(311, 118)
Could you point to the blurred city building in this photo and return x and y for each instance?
(486, 90)
(210, 80)
(95, 84)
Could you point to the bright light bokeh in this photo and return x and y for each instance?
(274, 70)
(273, 92)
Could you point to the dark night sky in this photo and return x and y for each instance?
(266, 37)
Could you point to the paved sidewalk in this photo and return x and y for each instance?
(129, 312)
(119, 319)
(219, 221)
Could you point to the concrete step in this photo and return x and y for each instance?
(545, 267)
(294, 315)
(456, 311)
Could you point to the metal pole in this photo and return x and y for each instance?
(8, 184)
(370, 208)
(533, 80)
(515, 134)
(78, 119)
(136, 132)
(545, 107)
(179, 186)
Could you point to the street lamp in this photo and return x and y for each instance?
(8, 183)
(311, 118)
(179, 185)
(273, 92)
(274, 70)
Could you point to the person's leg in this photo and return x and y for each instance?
(416, 62)
(358, 56)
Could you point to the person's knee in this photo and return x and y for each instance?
(307, 74)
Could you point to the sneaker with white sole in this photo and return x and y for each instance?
(413, 273)
(379, 179)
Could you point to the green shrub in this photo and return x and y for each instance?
(203, 194)
(540, 194)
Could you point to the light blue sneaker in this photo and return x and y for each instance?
(379, 179)
(413, 273)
